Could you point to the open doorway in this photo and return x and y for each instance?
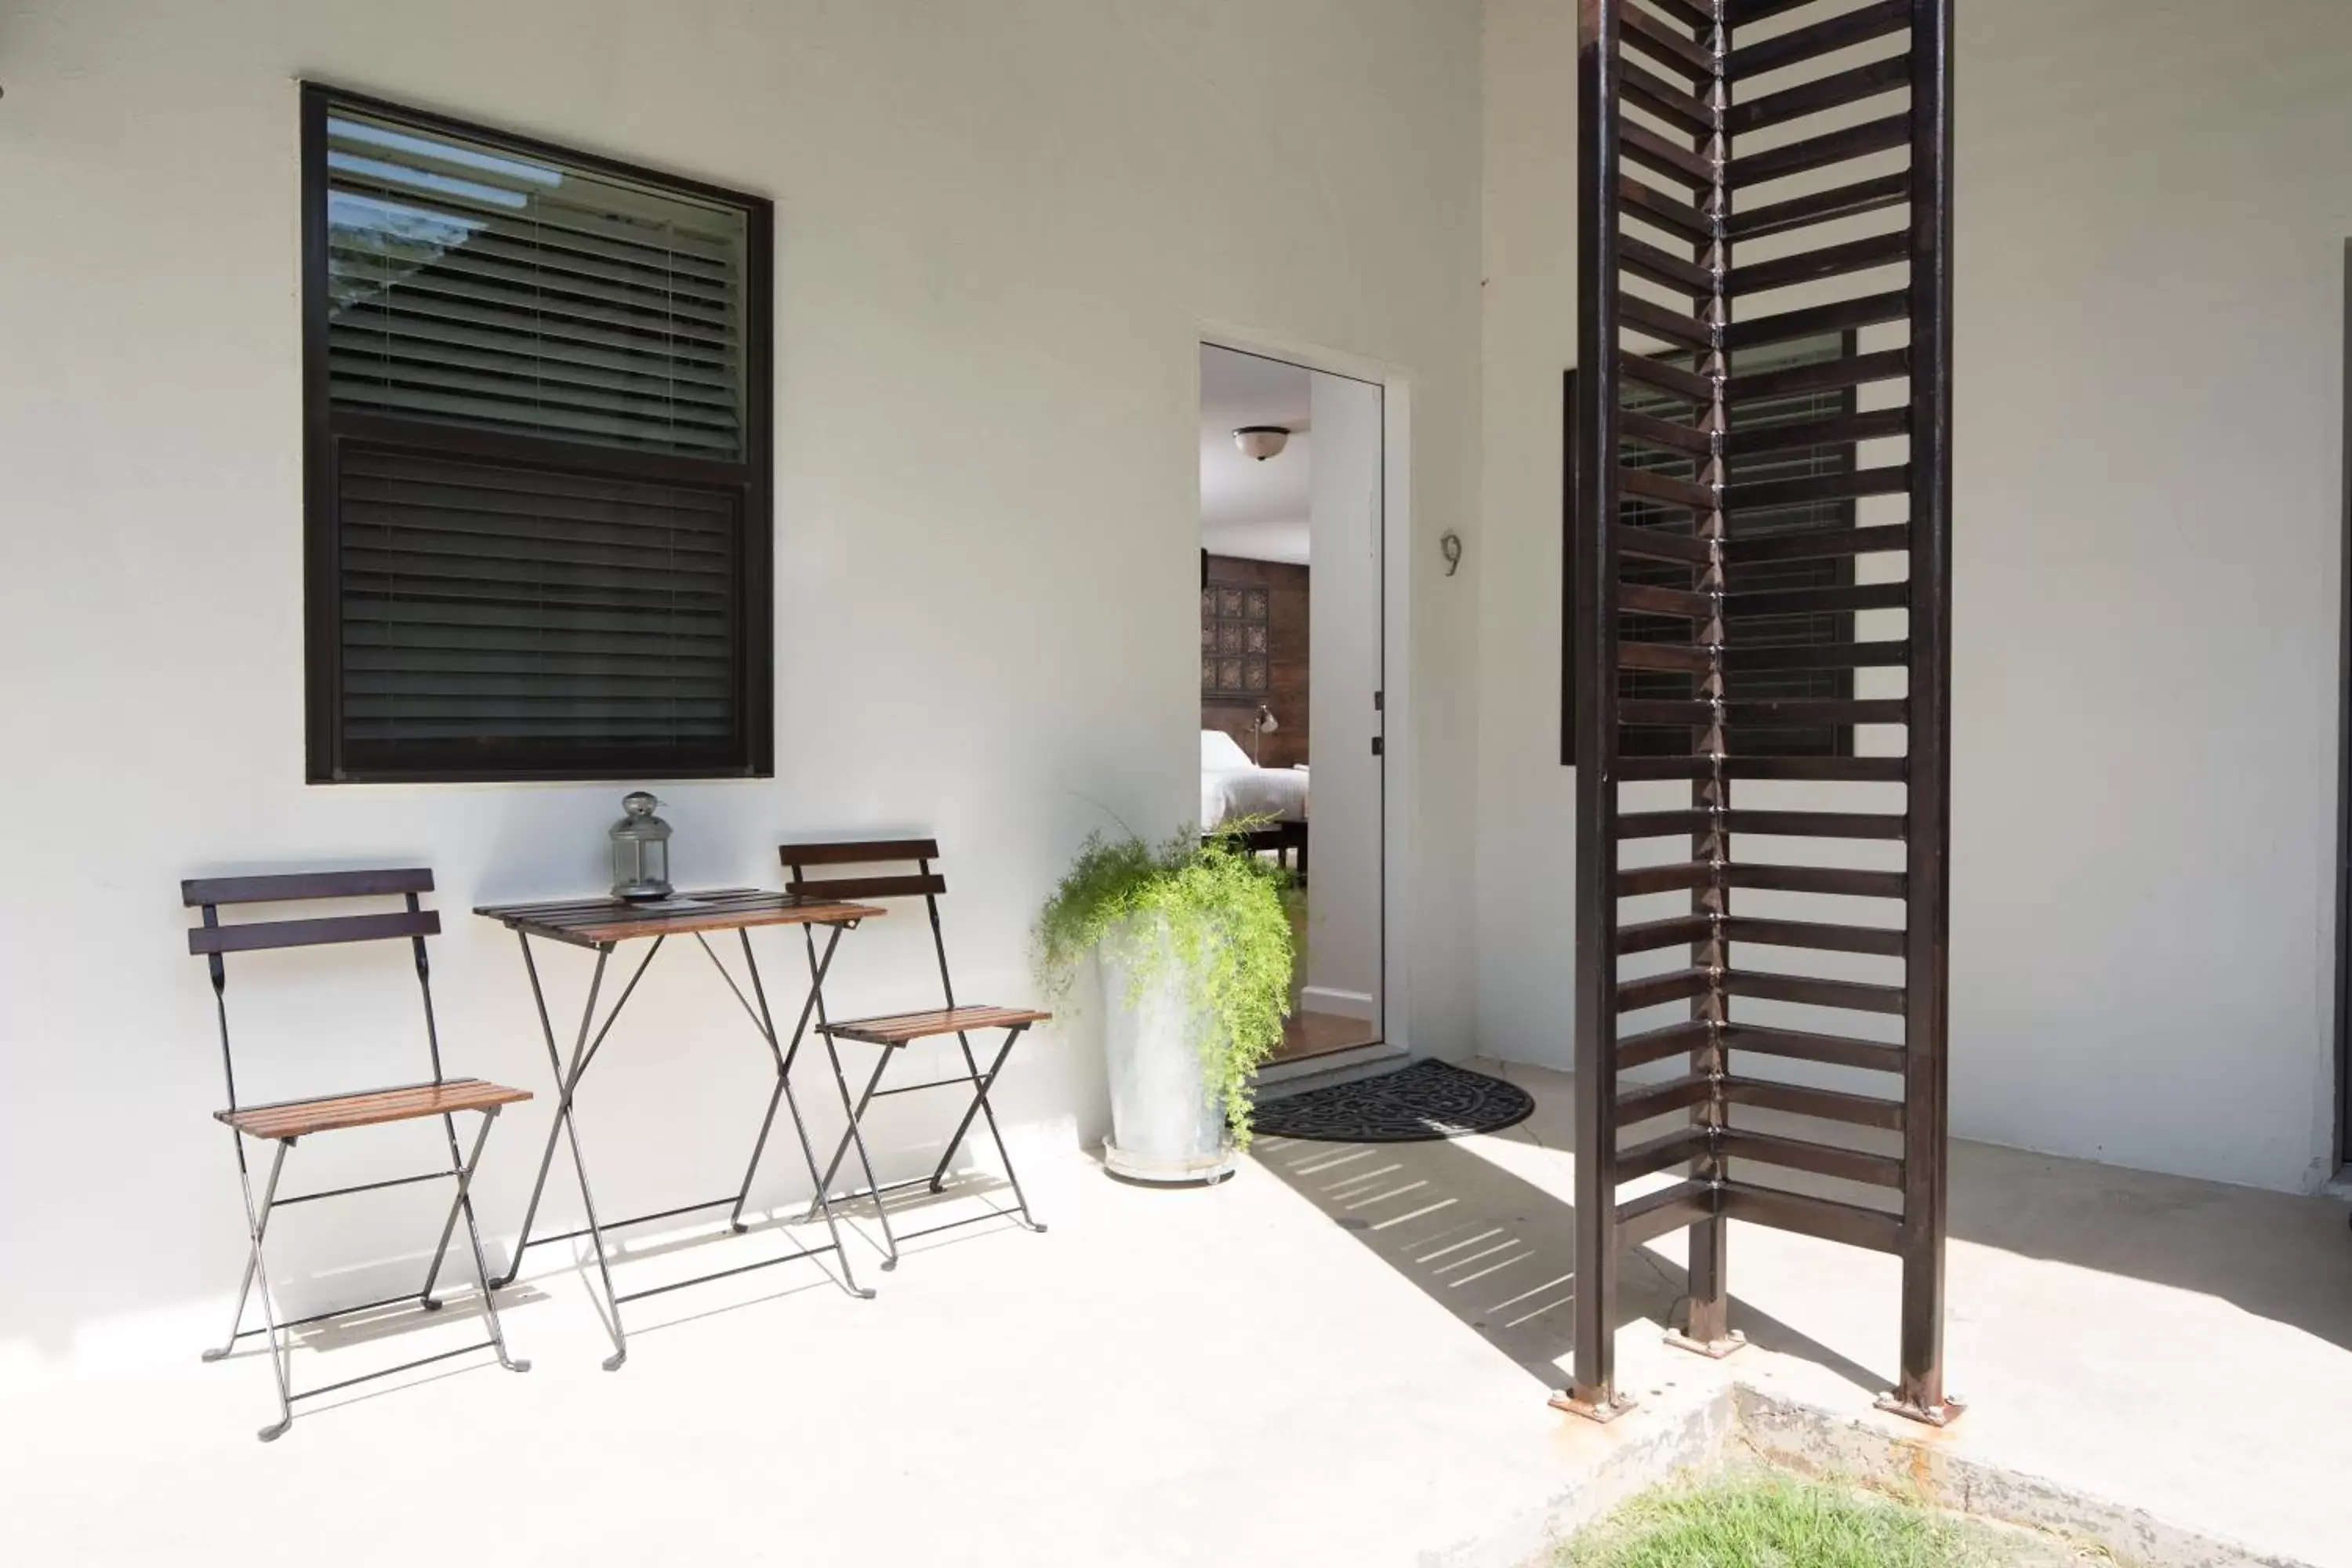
(1291, 638)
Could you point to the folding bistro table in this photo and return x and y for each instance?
(602, 924)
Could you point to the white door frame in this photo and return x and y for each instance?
(1399, 758)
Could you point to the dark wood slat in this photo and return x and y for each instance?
(1821, 262)
(1664, 269)
(1657, 1045)
(1658, 545)
(1804, 1045)
(1652, 152)
(1652, 205)
(1650, 371)
(1653, 486)
(1815, 824)
(1655, 601)
(843, 888)
(602, 921)
(1683, 658)
(1689, 13)
(1852, 485)
(1820, 375)
(288, 886)
(1832, 91)
(858, 851)
(1819, 207)
(1677, 931)
(1815, 935)
(1637, 314)
(1856, 1226)
(1654, 1214)
(1669, 712)
(255, 936)
(1648, 91)
(1815, 880)
(1811, 991)
(1739, 13)
(1841, 316)
(1633, 881)
(1814, 601)
(1800, 44)
(1817, 544)
(1820, 1159)
(1776, 710)
(1841, 655)
(1674, 985)
(302, 1118)
(1658, 39)
(1663, 824)
(899, 1028)
(1663, 434)
(1880, 770)
(1661, 1099)
(1823, 1104)
(1664, 1153)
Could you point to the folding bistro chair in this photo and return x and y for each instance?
(287, 1122)
(896, 1030)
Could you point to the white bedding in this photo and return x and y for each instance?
(1231, 787)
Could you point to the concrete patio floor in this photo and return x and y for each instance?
(1340, 1358)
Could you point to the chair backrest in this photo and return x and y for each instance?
(212, 939)
(925, 883)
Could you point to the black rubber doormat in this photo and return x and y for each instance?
(1418, 1104)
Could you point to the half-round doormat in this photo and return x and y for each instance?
(1418, 1104)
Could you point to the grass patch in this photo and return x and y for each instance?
(1764, 1521)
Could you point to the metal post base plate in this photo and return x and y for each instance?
(1943, 1414)
(1714, 1349)
(1592, 1404)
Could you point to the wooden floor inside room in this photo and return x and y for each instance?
(1306, 1034)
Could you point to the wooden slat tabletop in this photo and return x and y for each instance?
(594, 923)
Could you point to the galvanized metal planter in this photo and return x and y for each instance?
(1166, 1124)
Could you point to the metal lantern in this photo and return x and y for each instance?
(640, 850)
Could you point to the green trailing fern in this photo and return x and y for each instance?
(1228, 932)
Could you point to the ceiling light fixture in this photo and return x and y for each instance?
(1262, 441)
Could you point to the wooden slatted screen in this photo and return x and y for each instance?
(1761, 624)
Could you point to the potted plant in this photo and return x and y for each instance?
(1193, 944)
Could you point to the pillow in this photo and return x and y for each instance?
(1220, 752)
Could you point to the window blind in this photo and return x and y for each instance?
(539, 484)
(506, 291)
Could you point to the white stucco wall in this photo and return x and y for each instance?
(1000, 229)
(2151, 207)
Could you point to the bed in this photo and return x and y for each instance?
(1232, 787)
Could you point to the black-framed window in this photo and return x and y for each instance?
(1749, 631)
(537, 459)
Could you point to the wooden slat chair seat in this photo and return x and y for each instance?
(285, 1123)
(891, 1031)
(302, 1118)
(899, 1028)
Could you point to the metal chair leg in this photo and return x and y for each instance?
(842, 1149)
(791, 1102)
(865, 1161)
(980, 1103)
(260, 1273)
(474, 1237)
(244, 1282)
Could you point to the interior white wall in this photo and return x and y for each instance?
(2151, 207)
(1343, 890)
(1000, 233)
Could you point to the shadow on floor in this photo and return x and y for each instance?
(1497, 1251)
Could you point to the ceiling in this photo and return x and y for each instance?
(1249, 509)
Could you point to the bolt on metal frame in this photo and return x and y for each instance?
(1717, 215)
(287, 1122)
